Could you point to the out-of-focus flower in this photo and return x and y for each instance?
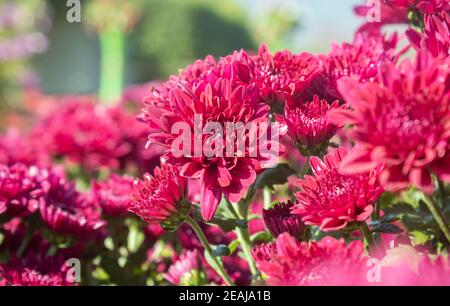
(279, 219)
(308, 125)
(326, 262)
(84, 133)
(405, 266)
(67, 212)
(35, 269)
(17, 147)
(284, 74)
(161, 198)
(436, 35)
(187, 270)
(332, 200)
(218, 100)
(402, 122)
(21, 189)
(113, 195)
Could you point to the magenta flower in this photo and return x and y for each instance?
(359, 61)
(436, 35)
(284, 74)
(161, 198)
(67, 212)
(35, 270)
(17, 147)
(215, 99)
(187, 270)
(20, 189)
(113, 195)
(279, 219)
(332, 200)
(401, 122)
(326, 262)
(84, 133)
(308, 125)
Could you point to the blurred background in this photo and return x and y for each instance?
(118, 43)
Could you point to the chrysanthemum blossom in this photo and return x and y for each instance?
(359, 60)
(187, 270)
(20, 189)
(332, 200)
(402, 122)
(84, 133)
(67, 212)
(308, 125)
(436, 35)
(161, 198)
(35, 270)
(18, 147)
(213, 99)
(326, 262)
(283, 74)
(113, 195)
(279, 219)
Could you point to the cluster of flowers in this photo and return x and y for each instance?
(372, 130)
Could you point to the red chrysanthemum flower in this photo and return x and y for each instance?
(359, 60)
(332, 200)
(402, 122)
(436, 35)
(20, 189)
(218, 100)
(308, 125)
(35, 270)
(83, 132)
(67, 212)
(187, 270)
(161, 198)
(326, 262)
(17, 147)
(283, 74)
(113, 195)
(279, 219)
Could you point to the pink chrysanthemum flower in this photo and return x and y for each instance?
(332, 200)
(20, 189)
(436, 35)
(284, 74)
(113, 195)
(67, 212)
(279, 219)
(326, 262)
(359, 60)
(84, 133)
(17, 147)
(187, 270)
(161, 198)
(402, 122)
(308, 125)
(218, 100)
(35, 270)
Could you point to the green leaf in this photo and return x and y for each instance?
(419, 238)
(135, 238)
(387, 228)
(221, 250)
(233, 246)
(274, 176)
(261, 237)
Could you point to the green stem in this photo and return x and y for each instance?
(243, 237)
(112, 49)
(212, 260)
(367, 236)
(437, 215)
(306, 168)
